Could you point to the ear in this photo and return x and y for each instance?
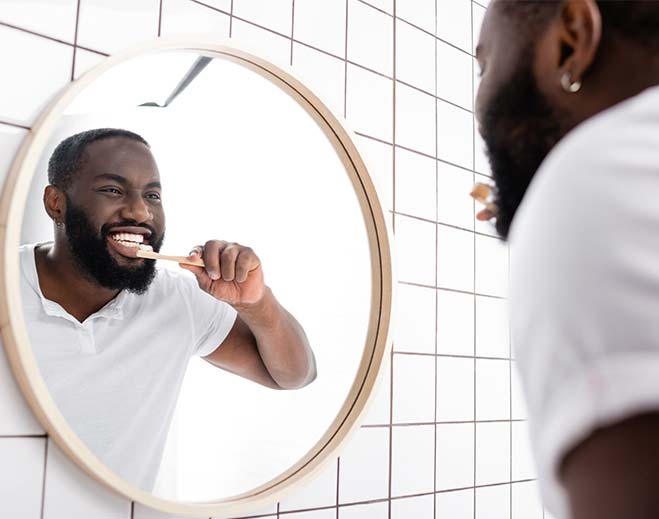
(580, 36)
(54, 202)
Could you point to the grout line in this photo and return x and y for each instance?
(231, 20)
(17, 125)
(449, 225)
(441, 422)
(510, 388)
(278, 509)
(445, 289)
(478, 4)
(434, 485)
(160, 19)
(43, 484)
(345, 68)
(132, 509)
(17, 436)
(75, 41)
(292, 28)
(451, 356)
(379, 9)
(338, 479)
(473, 161)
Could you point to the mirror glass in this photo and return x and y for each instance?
(238, 160)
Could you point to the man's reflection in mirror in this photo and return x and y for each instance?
(112, 333)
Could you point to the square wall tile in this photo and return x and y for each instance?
(455, 389)
(412, 469)
(414, 389)
(455, 323)
(368, 98)
(379, 160)
(84, 61)
(481, 162)
(455, 505)
(454, 22)
(492, 453)
(378, 411)
(112, 26)
(421, 507)
(415, 55)
(364, 466)
(491, 266)
(21, 481)
(72, 494)
(414, 329)
(454, 75)
(492, 389)
(415, 250)
(322, 25)
(266, 44)
(185, 17)
(455, 135)
(324, 74)
(526, 501)
(26, 90)
(455, 258)
(420, 13)
(522, 458)
(416, 185)
(519, 403)
(276, 15)
(493, 502)
(55, 19)
(370, 38)
(455, 457)
(319, 492)
(415, 119)
(492, 327)
(454, 205)
(478, 16)
(367, 511)
(15, 416)
(11, 138)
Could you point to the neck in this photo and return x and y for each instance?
(61, 281)
(622, 70)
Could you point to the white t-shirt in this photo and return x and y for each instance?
(116, 376)
(585, 284)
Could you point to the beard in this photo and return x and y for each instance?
(93, 259)
(519, 128)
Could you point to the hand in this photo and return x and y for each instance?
(232, 273)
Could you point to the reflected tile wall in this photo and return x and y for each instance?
(403, 74)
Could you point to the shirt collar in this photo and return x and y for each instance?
(112, 310)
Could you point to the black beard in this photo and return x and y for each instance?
(90, 252)
(519, 128)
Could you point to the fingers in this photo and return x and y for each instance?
(227, 261)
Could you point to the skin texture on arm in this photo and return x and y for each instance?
(266, 344)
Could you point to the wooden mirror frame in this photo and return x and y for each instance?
(12, 323)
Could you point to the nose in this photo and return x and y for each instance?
(136, 208)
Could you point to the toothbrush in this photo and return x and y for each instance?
(144, 251)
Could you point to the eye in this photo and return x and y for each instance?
(110, 190)
(153, 196)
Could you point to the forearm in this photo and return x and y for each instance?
(281, 342)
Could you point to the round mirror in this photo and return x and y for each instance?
(194, 387)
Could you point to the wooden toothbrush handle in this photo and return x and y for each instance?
(198, 262)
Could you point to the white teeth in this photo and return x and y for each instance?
(128, 237)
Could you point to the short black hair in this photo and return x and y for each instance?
(633, 20)
(69, 155)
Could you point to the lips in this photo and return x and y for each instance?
(127, 240)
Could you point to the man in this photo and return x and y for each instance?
(569, 109)
(113, 335)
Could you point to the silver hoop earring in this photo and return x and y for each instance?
(568, 85)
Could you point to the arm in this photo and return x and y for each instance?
(266, 344)
(614, 473)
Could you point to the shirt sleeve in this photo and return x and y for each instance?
(585, 291)
(211, 318)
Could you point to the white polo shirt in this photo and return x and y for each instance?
(585, 284)
(116, 376)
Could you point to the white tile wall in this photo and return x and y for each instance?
(449, 458)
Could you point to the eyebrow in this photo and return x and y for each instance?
(123, 181)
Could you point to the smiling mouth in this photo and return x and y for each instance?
(127, 244)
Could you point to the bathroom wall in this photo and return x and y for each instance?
(445, 436)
